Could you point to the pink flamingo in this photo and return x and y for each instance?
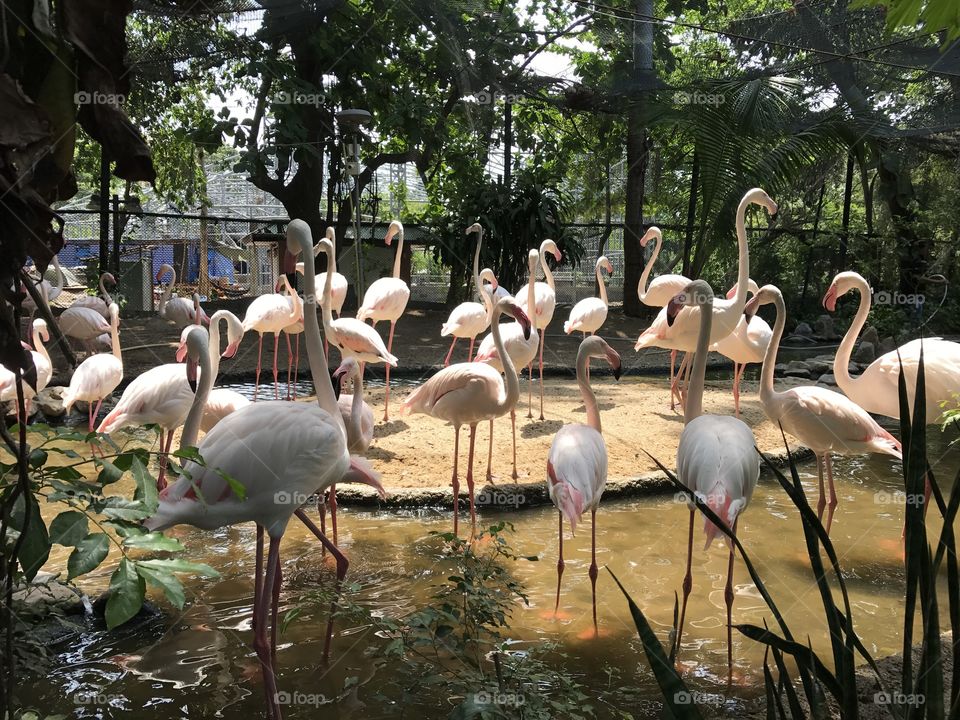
(823, 420)
(177, 310)
(281, 453)
(746, 344)
(577, 462)
(41, 362)
(521, 346)
(98, 376)
(357, 414)
(386, 299)
(101, 303)
(681, 333)
(469, 319)
(541, 310)
(588, 315)
(83, 324)
(338, 284)
(716, 458)
(876, 388)
(469, 393)
(271, 313)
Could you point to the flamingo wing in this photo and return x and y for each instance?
(578, 458)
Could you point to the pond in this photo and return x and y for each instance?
(199, 663)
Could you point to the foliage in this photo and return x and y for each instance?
(933, 16)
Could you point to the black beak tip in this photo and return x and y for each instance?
(193, 385)
(617, 372)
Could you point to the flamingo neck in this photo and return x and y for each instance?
(841, 361)
(39, 346)
(586, 392)
(532, 293)
(476, 267)
(356, 407)
(645, 275)
(215, 343)
(602, 286)
(168, 290)
(512, 382)
(191, 427)
(115, 335)
(103, 291)
(292, 297)
(327, 293)
(547, 274)
(767, 392)
(694, 404)
(56, 264)
(397, 257)
(743, 261)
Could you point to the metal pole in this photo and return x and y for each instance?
(115, 258)
(104, 211)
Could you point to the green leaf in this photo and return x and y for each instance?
(124, 509)
(68, 528)
(87, 555)
(154, 541)
(180, 566)
(146, 491)
(170, 585)
(35, 548)
(127, 590)
(38, 458)
(109, 472)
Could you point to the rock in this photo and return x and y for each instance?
(888, 344)
(46, 593)
(803, 329)
(818, 367)
(865, 353)
(825, 328)
(791, 382)
(797, 365)
(827, 379)
(797, 373)
(779, 369)
(50, 401)
(871, 336)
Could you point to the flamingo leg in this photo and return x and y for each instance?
(513, 424)
(676, 382)
(274, 610)
(256, 387)
(333, 511)
(687, 585)
(342, 565)
(164, 452)
(556, 606)
(490, 455)
(673, 358)
(473, 512)
(728, 599)
(446, 360)
(296, 366)
(688, 361)
(386, 397)
(258, 573)
(828, 461)
(821, 501)
(276, 349)
(289, 364)
(593, 568)
(543, 338)
(322, 511)
(470, 354)
(454, 481)
(260, 641)
(530, 390)
(737, 372)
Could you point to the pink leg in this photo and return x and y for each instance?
(274, 609)
(333, 511)
(728, 599)
(289, 363)
(833, 492)
(258, 572)
(543, 337)
(276, 349)
(260, 641)
(470, 354)
(322, 512)
(673, 358)
(455, 481)
(513, 423)
(386, 397)
(490, 455)
(821, 501)
(593, 568)
(737, 369)
(446, 360)
(296, 366)
(687, 585)
(556, 607)
(473, 512)
(342, 565)
(530, 390)
(256, 387)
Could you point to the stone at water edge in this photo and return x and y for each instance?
(46, 593)
(888, 344)
(871, 336)
(825, 328)
(803, 329)
(818, 366)
(827, 379)
(865, 353)
(49, 401)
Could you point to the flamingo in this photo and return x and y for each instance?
(542, 309)
(661, 290)
(469, 393)
(177, 310)
(681, 333)
(339, 284)
(521, 346)
(386, 299)
(577, 462)
(280, 453)
(876, 389)
(716, 458)
(83, 324)
(590, 313)
(469, 319)
(271, 313)
(823, 420)
(746, 344)
(48, 291)
(357, 414)
(293, 358)
(98, 376)
(101, 303)
(42, 363)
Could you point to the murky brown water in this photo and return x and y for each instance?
(199, 663)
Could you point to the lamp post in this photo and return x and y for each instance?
(350, 121)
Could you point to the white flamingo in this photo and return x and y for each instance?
(577, 462)
(49, 291)
(469, 319)
(588, 315)
(83, 324)
(177, 310)
(98, 376)
(469, 393)
(541, 311)
(357, 414)
(271, 313)
(716, 457)
(386, 299)
(41, 362)
(100, 303)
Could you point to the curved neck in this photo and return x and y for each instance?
(645, 275)
(39, 346)
(103, 291)
(743, 261)
(532, 292)
(215, 344)
(56, 264)
(332, 260)
(168, 290)
(327, 291)
(356, 407)
(601, 285)
(191, 427)
(486, 298)
(841, 361)
(292, 297)
(694, 405)
(509, 371)
(586, 392)
(396, 259)
(770, 356)
(547, 274)
(476, 267)
(115, 336)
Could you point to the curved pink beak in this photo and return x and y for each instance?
(231, 350)
(830, 298)
(673, 309)
(557, 255)
(181, 352)
(731, 292)
(192, 373)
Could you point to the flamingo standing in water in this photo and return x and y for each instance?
(681, 333)
(716, 458)
(521, 346)
(469, 319)
(577, 462)
(97, 376)
(177, 310)
(469, 393)
(281, 453)
(823, 420)
(588, 315)
(271, 313)
(661, 290)
(386, 299)
(101, 303)
(541, 310)
(876, 388)
(41, 362)
(746, 344)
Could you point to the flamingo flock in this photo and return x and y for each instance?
(284, 453)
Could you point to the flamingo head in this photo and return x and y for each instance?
(652, 233)
(40, 328)
(396, 228)
(752, 287)
(567, 498)
(488, 275)
(842, 284)
(197, 344)
(595, 346)
(475, 228)
(510, 307)
(348, 368)
(164, 269)
(606, 264)
(551, 247)
(766, 295)
(696, 294)
(757, 196)
(109, 278)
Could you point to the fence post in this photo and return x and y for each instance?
(203, 281)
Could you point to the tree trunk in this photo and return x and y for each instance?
(845, 226)
(691, 214)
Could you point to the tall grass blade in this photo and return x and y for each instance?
(796, 712)
(774, 701)
(912, 544)
(801, 653)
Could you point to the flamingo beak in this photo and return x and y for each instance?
(613, 358)
(192, 374)
(673, 309)
(557, 256)
(750, 309)
(647, 237)
(830, 298)
(181, 352)
(231, 349)
(731, 292)
(521, 317)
